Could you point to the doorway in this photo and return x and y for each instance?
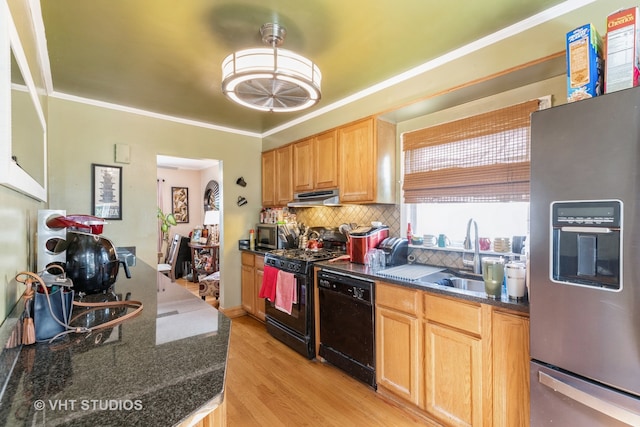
(185, 191)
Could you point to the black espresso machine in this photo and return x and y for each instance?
(395, 249)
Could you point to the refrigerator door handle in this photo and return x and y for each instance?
(603, 406)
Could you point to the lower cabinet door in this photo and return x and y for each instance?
(260, 302)
(453, 376)
(510, 370)
(398, 363)
(248, 289)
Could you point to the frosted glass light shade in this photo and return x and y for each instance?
(271, 79)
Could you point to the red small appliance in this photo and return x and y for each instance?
(364, 238)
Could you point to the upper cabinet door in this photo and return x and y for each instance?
(325, 156)
(366, 150)
(357, 151)
(269, 178)
(284, 182)
(303, 165)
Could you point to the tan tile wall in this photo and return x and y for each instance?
(358, 214)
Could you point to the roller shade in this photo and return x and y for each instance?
(480, 158)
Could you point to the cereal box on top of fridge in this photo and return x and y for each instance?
(584, 63)
(621, 50)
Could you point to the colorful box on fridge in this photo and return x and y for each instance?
(584, 63)
(621, 50)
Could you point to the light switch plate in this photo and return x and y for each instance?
(122, 153)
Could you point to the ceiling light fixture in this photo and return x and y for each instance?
(271, 79)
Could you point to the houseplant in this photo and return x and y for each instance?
(165, 221)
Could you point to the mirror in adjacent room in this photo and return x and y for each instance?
(23, 163)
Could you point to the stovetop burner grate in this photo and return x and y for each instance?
(304, 254)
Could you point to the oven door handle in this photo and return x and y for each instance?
(594, 230)
(598, 404)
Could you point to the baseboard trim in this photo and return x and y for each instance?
(421, 416)
(232, 312)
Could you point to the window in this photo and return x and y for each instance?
(476, 167)
(496, 219)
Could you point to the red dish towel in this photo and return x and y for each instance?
(269, 279)
(286, 294)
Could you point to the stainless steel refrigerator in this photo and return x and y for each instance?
(584, 288)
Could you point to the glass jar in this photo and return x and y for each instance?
(493, 276)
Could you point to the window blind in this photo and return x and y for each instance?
(482, 158)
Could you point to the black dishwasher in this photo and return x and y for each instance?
(347, 324)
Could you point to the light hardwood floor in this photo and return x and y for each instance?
(268, 384)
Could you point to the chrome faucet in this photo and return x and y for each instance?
(475, 262)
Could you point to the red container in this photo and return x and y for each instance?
(85, 223)
(364, 238)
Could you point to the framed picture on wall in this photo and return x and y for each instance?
(180, 204)
(106, 200)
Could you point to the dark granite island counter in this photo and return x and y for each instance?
(164, 367)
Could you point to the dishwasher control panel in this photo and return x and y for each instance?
(357, 288)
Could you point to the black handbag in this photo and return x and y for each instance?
(49, 304)
(51, 311)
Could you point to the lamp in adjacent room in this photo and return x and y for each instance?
(212, 219)
(271, 79)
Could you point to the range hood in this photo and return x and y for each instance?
(316, 198)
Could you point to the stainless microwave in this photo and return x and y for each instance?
(268, 236)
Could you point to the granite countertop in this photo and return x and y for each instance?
(164, 367)
(256, 251)
(365, 272)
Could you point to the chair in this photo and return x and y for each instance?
(210, 286)
(170, 263)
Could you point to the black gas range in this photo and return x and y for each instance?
(297, 260)
(296, 330)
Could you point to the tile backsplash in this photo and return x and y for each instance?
(438, 257)
(358, 214)
(450, 258)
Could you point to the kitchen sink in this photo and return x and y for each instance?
(448, 280)
(436, 277)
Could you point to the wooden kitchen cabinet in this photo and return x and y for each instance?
(510, 369)
(277, 183)
(284, 182)
(303, 165)
(366, 149)
(358, 159)
(453, 361)
(252, 271)
(269, 178)
(326, 161)
(257, 281)
(398, 369)
(247, 277)
(315, 162)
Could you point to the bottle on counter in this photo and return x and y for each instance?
(409, 232)
(252, 239)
